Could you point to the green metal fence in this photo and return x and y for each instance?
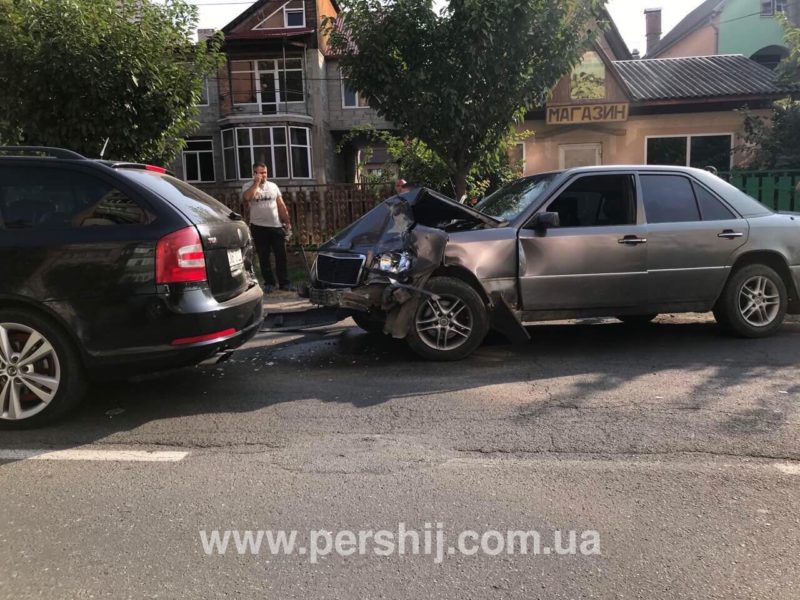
(776, 189)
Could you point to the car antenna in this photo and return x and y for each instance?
(105, 145)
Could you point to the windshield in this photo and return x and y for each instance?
(509, 202)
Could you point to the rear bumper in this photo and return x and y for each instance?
(243, 314)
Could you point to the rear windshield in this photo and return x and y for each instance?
(198, 206)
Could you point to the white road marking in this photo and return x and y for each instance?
(789, 469)
(93, 455)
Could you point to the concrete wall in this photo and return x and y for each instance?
(622, 143)
(344, 119)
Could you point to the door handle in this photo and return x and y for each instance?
(730, 234)
(632, 240)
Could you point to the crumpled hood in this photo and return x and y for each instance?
(386, 227)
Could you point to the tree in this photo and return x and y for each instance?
(457, 80)
(771, 143)
(74, 73)
(419, 164)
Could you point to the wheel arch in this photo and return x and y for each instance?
(48, 314)
(466, 276)
(777, 262)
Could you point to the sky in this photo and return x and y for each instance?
(627, 14)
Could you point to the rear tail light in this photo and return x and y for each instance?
(155, 169)
(180, 258)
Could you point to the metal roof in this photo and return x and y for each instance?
(698, 77)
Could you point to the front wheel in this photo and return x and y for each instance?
(450, 327)
(753, 303)
(41, 377)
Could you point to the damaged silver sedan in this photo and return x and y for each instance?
(625, 242)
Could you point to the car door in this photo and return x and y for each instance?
(596, 257)
(691, 236)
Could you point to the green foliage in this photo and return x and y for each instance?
(457, 80)
(75, 72)
(587, 86)
(789, 69)
(771, 143)
(419, 164)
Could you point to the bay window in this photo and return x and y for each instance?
(285, 150)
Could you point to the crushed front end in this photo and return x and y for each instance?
(376, 268)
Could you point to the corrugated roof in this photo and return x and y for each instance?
(698, 77)
(691, 22)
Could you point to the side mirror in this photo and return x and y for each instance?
(545, 220)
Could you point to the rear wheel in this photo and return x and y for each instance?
(753, 303)
(637, 320)
(41, 377)
(452, 326)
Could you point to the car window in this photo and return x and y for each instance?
(51, 198)
(509, 202)
(198, 206)
(596, 201)
(668, 199)
(711, 209)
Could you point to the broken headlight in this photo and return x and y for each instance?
(393, 262)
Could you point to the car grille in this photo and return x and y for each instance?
(340, 269)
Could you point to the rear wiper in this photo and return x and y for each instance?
(234, 216)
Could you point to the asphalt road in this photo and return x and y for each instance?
(674, 448)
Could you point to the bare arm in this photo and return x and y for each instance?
(250, 193)
(283, 213)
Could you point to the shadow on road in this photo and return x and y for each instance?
(344, 365)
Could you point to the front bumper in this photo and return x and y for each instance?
(363, 298)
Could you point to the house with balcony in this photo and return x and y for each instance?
(281, 100)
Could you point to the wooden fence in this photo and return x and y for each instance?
(318, 212)
(776, 189)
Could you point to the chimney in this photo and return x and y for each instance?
(635, 54)
(653, 19)
(204, 34)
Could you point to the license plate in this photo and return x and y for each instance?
(236, 261)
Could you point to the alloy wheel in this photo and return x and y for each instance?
(445, 323)
(759, 301)
(30, 372)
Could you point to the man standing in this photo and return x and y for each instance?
(269, 224)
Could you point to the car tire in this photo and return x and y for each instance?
(637, 320)
(35, 393)
(452, 327)
(369, 322)
(753, 303)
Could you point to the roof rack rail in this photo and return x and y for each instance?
(46, 150)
